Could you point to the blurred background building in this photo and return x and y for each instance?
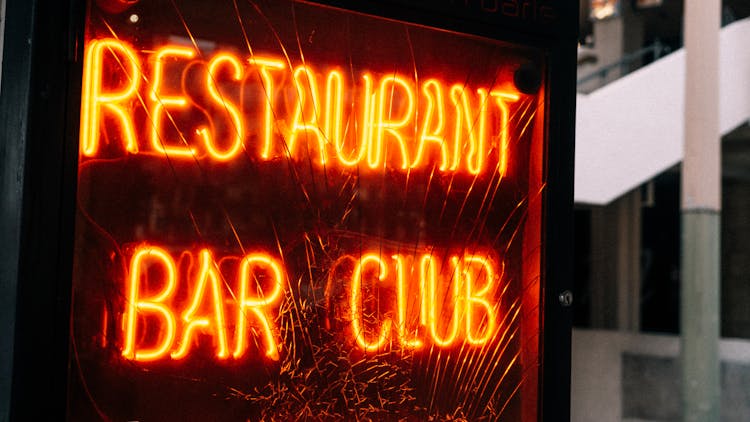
(629, 145)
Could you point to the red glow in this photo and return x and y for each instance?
(465, 301)
(237, 126)
(95, 99)
(355, 302)
(161, 103)
(391, 133)
(306, 87)
(145, 258)
(258, 303)
(248, 307)
(207, 274)
(390, 120)
(433, 125)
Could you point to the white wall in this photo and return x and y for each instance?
(633, 129)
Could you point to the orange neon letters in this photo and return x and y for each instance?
(466, 313)
(364, 125)
(402, 305)
(355, 304)
(161, 102)
(208, 275)
(306, 83)
(387, 107)
(143, 259)
(94, 100)
(502, 99)
(474, 267)
(433, 132)
(264, 66)
(471, 284)
(256, 304)
(429, 273)
(231, 109)
(334, 109)
(152, 266)
(393, 122)
(471, 123)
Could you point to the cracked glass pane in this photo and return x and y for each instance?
(287, 210)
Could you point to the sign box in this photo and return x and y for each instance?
(293, 210)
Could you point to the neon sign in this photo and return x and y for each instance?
(472, 316)
(386, 112)
(281, 217)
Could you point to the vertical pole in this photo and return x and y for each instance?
(701, 213)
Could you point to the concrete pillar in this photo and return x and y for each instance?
(615, 264)
(701, 213)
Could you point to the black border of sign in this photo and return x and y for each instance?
(39, 115)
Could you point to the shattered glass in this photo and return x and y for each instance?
(288, 187)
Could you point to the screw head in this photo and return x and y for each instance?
(566, 298)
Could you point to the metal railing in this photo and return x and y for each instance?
(625, 64)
